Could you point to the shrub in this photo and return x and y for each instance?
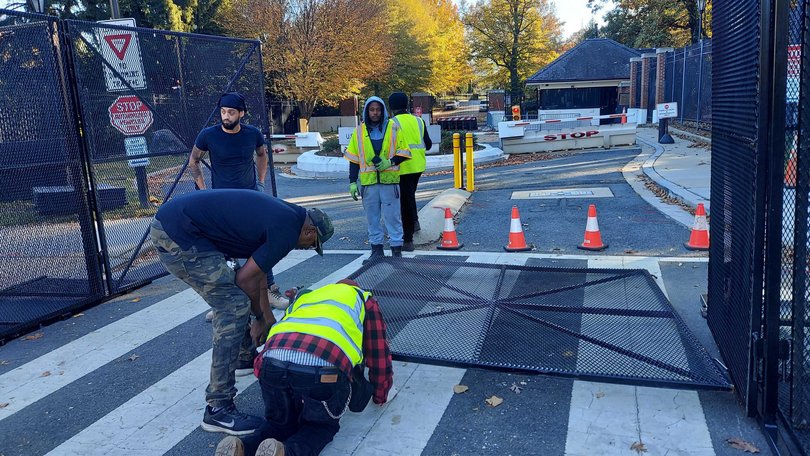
(446, 146)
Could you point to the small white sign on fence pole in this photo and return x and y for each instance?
(667, 110)
(136, 145)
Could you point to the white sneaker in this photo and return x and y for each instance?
(276, 298)
(209, 317)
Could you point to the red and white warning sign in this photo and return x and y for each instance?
(130, 115)
(121, 51)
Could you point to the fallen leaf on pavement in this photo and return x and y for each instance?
(45, 374)
(344, 238)
(4, 405)
(133, 357)
(3, 362)
(516, 389)
(136, 300)
(78, 315)
(630, 251)
(34, 336)
(638, 447)
(600, 395)
(494, 401)
(458, 389)
(568, 354)
(740, 444)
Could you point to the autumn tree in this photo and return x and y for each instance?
(428, 50)
(315, 51)
(654, 23)
(511, 39)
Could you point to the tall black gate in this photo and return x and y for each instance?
(49, 262)
(758, 267)
(97, 124)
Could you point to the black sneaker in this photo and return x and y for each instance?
(244, 367)
(230, 421)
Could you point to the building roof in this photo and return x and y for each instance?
(591, 60)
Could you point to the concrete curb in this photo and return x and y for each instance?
(691, 135)
(686, 195)
(431, 216)
(316, 166)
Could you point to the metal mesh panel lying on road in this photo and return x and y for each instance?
(600, 324)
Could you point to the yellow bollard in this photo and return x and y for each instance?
(470, 166)
(457, 160)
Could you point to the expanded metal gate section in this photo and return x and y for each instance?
(600, 324)
(48, 256)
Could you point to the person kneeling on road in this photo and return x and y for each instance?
(193, 234)
(311, 371)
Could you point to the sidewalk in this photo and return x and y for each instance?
(684, 171)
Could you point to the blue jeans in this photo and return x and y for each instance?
(382, 200)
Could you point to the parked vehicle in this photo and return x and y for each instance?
(483, 106)
(450, 105)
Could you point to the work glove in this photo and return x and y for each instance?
(353, 190)
(260, 186)
(383, 164)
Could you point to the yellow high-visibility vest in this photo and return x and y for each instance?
(362, 152)
(412, 132)
(333, 312)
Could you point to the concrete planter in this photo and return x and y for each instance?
(311, 165)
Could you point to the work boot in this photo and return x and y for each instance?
(376, 252)
(408, 246)
(396, 251)
(230, 446)
(209, 317)
(270, 447)
(416, 226)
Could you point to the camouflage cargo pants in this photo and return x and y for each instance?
(211, 277)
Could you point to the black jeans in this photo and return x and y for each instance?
(407, 202)
(295, 407)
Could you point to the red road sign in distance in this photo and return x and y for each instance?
(130, 115)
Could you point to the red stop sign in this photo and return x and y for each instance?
(130, 115)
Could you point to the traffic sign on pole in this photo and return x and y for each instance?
(667, 110)
(121, 51)
(130, 115)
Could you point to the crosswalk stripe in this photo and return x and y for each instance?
(155, 420)
(26, 384)
(608, 419)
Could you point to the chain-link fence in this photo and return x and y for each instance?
(689, 81)
(96, 126)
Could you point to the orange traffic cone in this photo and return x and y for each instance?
(593, 239)
(449, 239)
(517, 242)
(699, 239)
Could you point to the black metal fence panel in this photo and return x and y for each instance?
(734, 281)
(49, 262)
(604, 324)
(689, 81)
(145, 95)
(794, 365)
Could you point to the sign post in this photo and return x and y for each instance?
(131, 116)
(136, 146)
(666, 111)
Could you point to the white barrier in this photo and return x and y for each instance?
(523, 136)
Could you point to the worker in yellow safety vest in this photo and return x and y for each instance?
(375, 153)
(312, 371)
(414, 132)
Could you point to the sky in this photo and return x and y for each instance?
(576, 15)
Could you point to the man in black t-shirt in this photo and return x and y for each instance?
(193, 234)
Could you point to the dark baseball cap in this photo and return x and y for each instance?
(324, 226)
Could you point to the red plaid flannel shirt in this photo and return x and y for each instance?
(376, 353)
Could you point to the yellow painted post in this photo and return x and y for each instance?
(457, 160)
(470, 166)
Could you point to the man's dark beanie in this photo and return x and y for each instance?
(232, 100)
(398, 101)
